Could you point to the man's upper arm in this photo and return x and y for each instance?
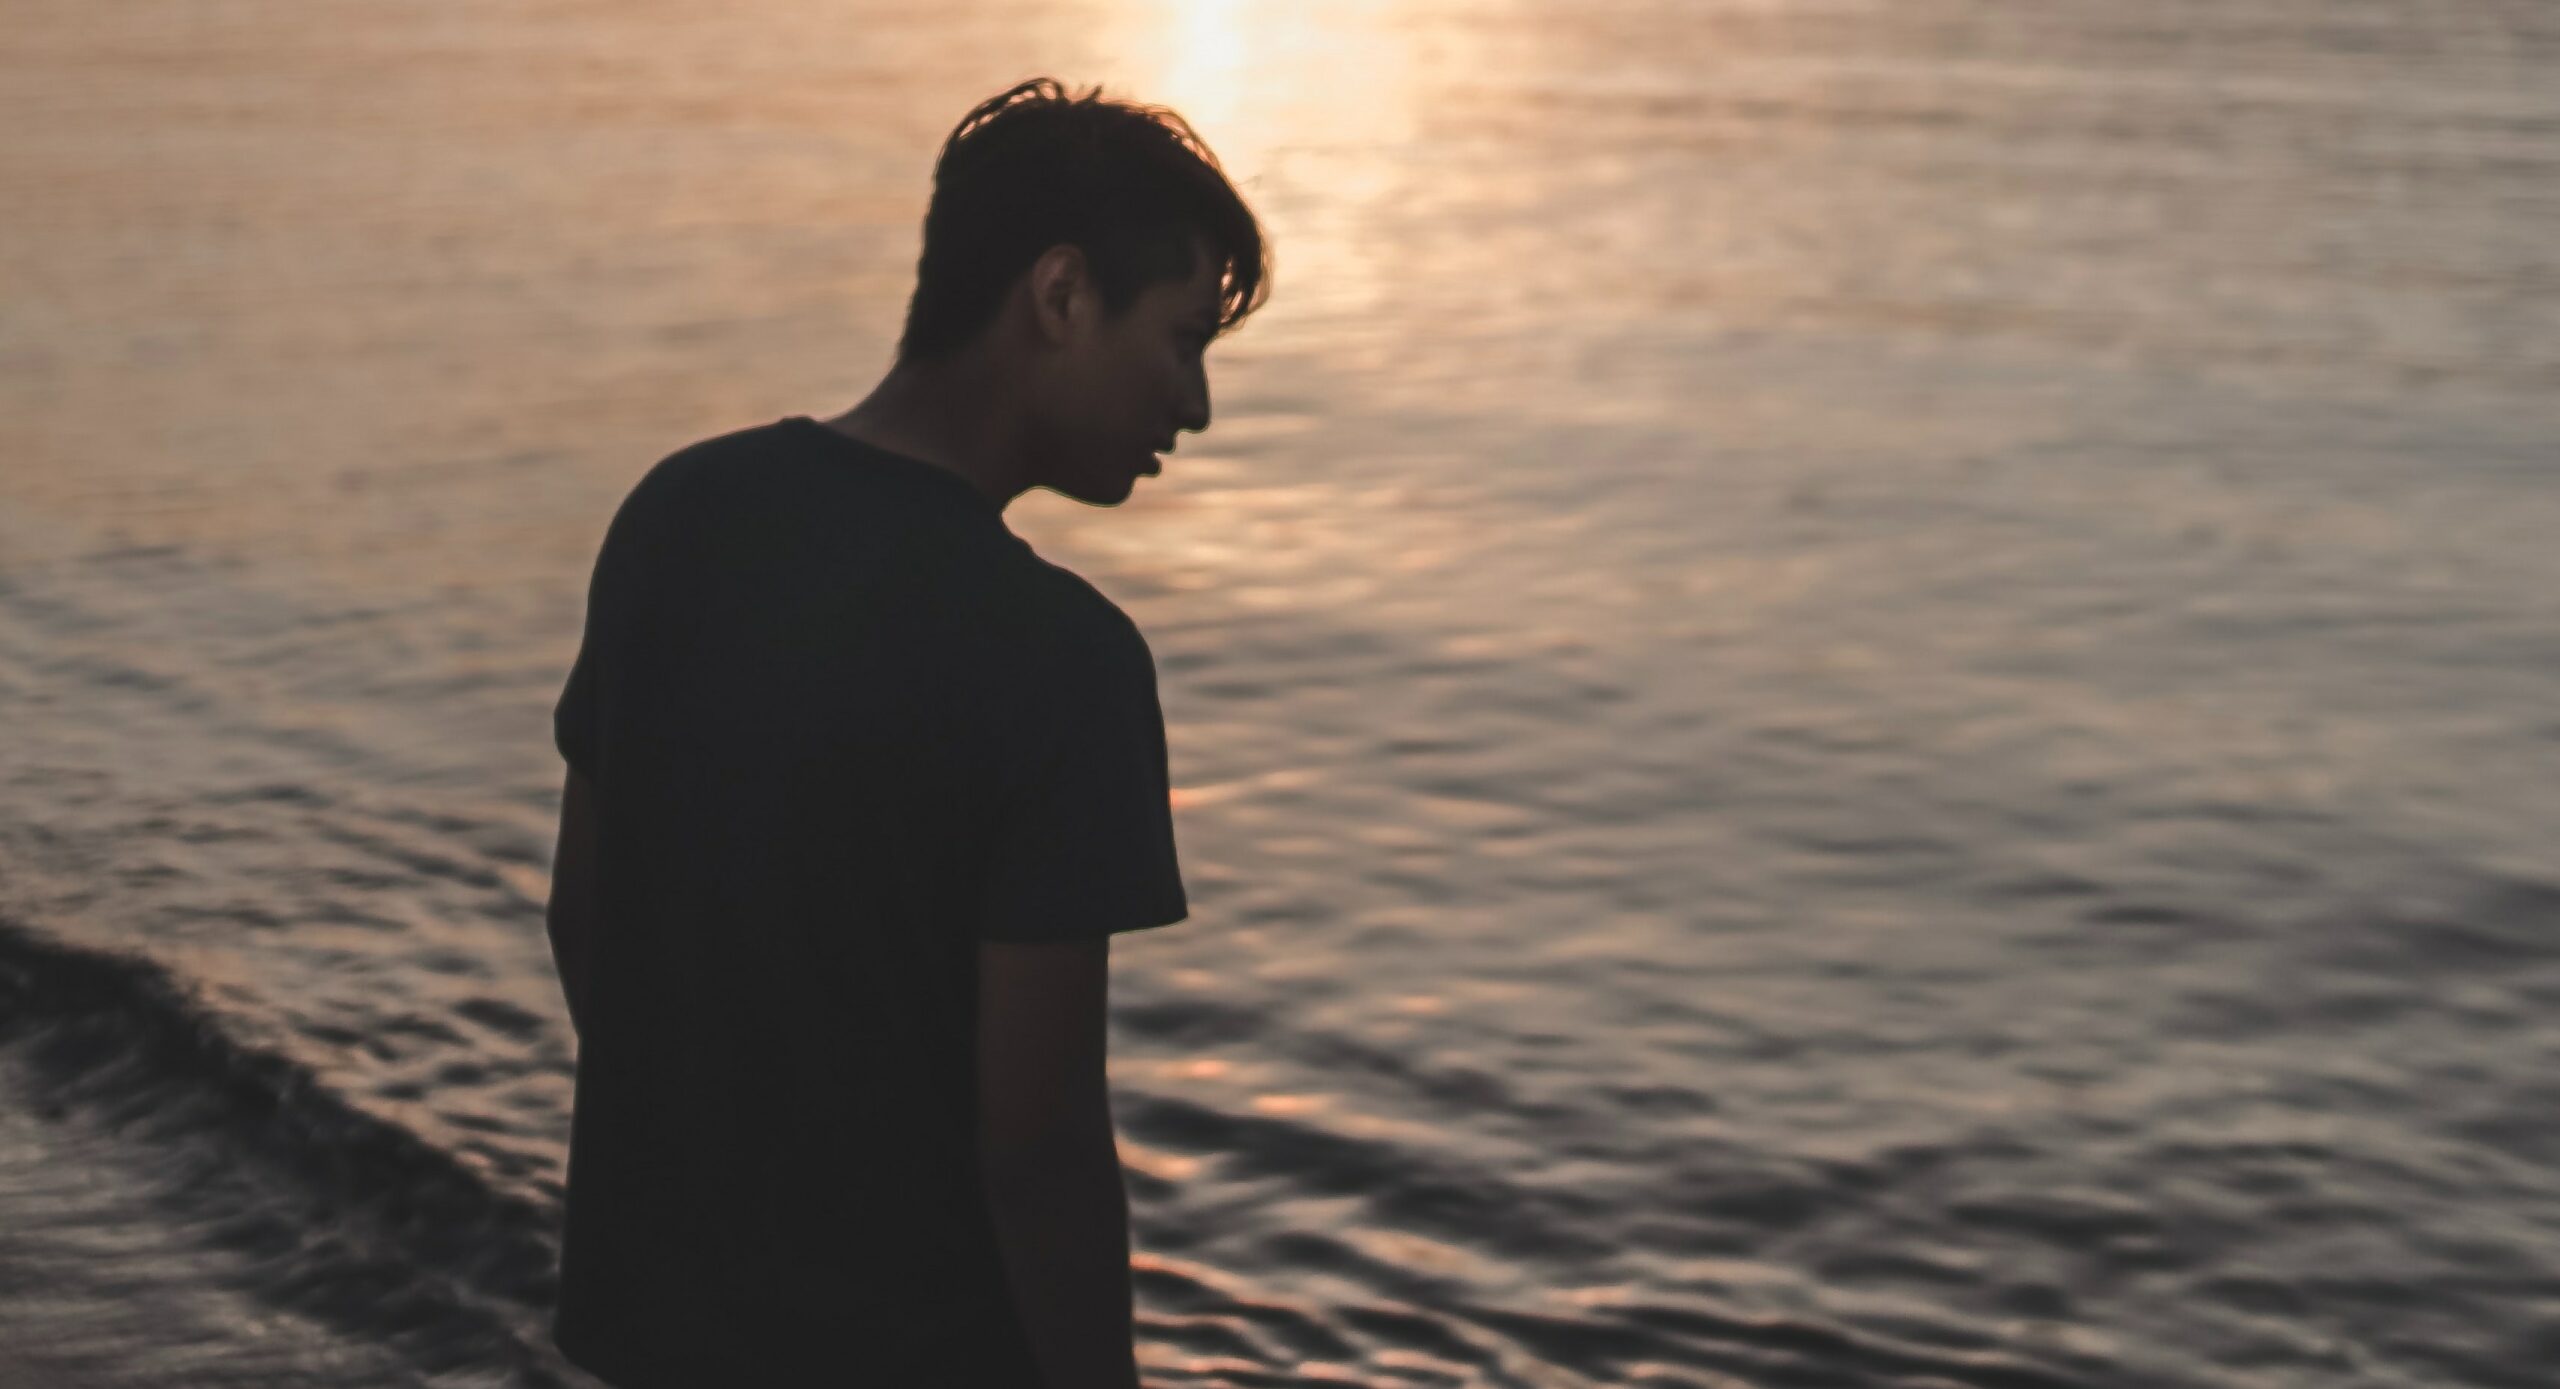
(1080, 841)
(1042, 1010)
(1079, 847)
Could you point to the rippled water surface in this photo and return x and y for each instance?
(1862, 693)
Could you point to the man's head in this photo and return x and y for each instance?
(1099, 247)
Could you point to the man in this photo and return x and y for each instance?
(860, 787)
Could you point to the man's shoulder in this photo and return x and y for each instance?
(677, 479)
(1065, 611)
(805, 477)
(1082, 618)
(753, 438)
(726, 450)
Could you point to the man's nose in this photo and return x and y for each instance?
(1192, 413)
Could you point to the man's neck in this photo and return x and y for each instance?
(940, 415)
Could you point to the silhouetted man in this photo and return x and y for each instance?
(860, 787)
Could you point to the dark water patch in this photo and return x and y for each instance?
(1306, 1337)
(365, 879)
(249, 915)
(1404, 1327)
(2242, 1150)
(1668, 1101)
(1897, 1164)
(1464, 1088)
(2255, 1177)
(2359, 1006)
(1226, 1373)
(2440, 1363)
(1784, 1350)
(424, 862)
(1322, 1253)
(1772, 1205)
(131, 554)
(2252, 1292)
(344, 1038)
(1180, 1289)
(1406, 1188)
(2223, 1015)
(1205, 1336)
(2159, 914)
(349, 1220)
(2071, 1222)
(461, 1075)
(146, 875)
(2316, 1213)
(272, 793)
(1191, 1022)
(2530, 1130)
(435, 821)
(1933, 1333)
(1253, 1333)
(452, 964)
(501, 1017)
(201, 831)
(2040, 1300)
(1872, 845)
(124, 675)
(1594, 1346)
(2494, 924)
(2252, 814)
(1894, 1266)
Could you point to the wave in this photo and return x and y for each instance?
(325, 1210)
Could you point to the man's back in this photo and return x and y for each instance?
(841, 727)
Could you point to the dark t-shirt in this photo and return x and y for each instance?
(842, 725)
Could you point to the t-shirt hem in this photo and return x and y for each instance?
(574, 1348)
(1162, 916)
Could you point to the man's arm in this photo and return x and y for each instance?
(572, 912)
(1049, 1162)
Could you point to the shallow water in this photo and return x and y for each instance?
(1861, 693)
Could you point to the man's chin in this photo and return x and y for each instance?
(1102, 494)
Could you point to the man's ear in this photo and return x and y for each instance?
(1061, 292)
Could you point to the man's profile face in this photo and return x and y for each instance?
(1129, 384)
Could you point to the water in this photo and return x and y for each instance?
(1862, 692)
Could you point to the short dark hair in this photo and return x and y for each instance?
(1037, 166)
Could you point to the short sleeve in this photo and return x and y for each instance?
(573, 718)
(1081, 839)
